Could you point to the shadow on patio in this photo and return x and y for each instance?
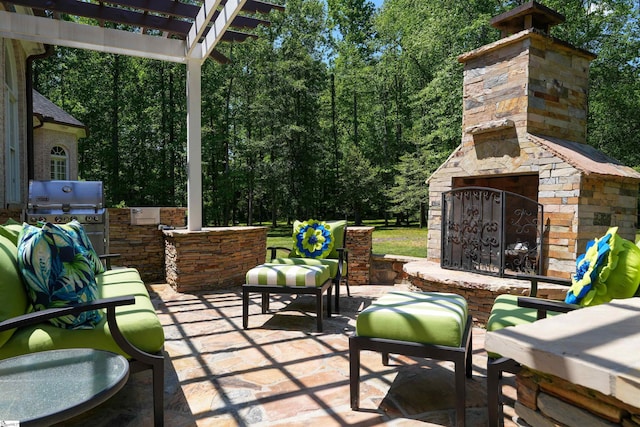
(280, 371)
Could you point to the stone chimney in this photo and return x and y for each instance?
(524, 130)
(527, 79)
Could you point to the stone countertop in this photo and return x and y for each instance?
(595, 347)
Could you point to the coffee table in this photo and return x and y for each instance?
(51, 386)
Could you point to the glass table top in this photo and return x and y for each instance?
(52, 386)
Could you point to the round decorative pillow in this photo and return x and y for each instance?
(612, 271)
(588, 266)
(312, 239)
(620, 276)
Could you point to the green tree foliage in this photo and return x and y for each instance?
(336, 109)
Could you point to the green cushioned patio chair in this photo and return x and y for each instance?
(609, 269)
(335, 256)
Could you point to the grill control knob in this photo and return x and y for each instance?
(42, 219)
(74, 218)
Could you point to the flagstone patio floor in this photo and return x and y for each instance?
(281, 372)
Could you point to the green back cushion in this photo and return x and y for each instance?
(13, 296)
(336, 228)
(609, 269)
(423, 317)
(57, 273)
(11, 230)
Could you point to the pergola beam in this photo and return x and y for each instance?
(230, 10)
(70, 34)
(206, 12)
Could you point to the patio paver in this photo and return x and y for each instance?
(281, 372)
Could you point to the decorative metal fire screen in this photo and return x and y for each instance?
(491, 231)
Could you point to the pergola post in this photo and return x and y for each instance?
(194, 145)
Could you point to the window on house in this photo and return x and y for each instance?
(59, 163)
(12, 143)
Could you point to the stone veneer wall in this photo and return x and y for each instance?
(546, 400)
(388, 269)
(359, 243)
(213, 258)
(141, 246)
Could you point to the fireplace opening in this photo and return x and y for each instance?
(491, 230)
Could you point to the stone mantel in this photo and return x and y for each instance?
(594, 347)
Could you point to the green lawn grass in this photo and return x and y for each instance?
(393, 240)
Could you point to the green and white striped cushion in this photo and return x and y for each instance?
(288, 275)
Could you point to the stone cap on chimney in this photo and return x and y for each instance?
(527, 16)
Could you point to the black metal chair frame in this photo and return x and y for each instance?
(343, 259)
(140, 360)
(495, 367)
(461, 356)
(266, 290)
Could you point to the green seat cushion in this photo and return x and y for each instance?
(138, 322)
(332, 264)
(421, 317)
(288, 275)
(506, 312)
(13, 294)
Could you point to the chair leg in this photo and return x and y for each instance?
(319, 310)
(495, 368)
(469, 362)
(354, 373)
(337, 302)
(460, 374)
(158, 393)
(245, 309)
(265, 302)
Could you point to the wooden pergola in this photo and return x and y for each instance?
(166, 30)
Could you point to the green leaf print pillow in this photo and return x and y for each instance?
(57, 273)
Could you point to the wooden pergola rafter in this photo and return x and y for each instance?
(167, 30)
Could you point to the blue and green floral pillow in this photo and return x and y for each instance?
(77, 233)
(57, 273)
(312, 239)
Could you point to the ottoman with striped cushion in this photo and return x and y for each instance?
(419, 324)
(287, 279)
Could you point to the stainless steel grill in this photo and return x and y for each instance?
(59, 202)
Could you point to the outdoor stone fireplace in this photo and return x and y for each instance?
(524, 129)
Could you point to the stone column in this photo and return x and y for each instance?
(359, 244)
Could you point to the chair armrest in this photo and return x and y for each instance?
(109, 303)
(52, 313)
(534, 279)
(107, 258)
(544, 305)
(274, 249)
